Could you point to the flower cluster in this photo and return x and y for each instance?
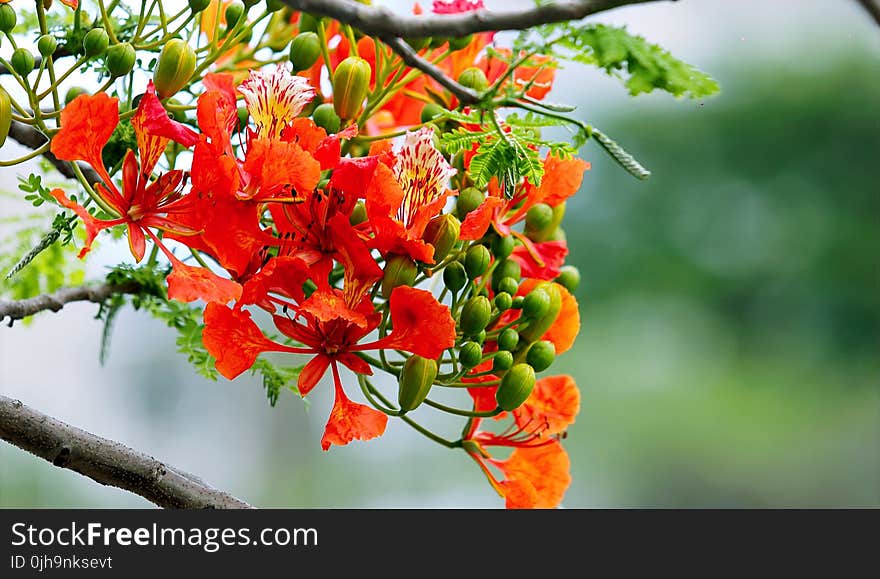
(321, 194)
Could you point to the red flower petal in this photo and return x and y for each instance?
(351, 421)
(276, 164)
(157, 122)
(283, 275)
(86, 125)
(550, 253)
(233, 339)
(421, 324)
(554, 403)
(93, 226)
(477, 221)
(311, 374)
(187, 284)
(545, 468)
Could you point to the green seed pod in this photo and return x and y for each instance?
(467, 201)
(475, 315)
(538, 219)
(5, 114)
(198, 5)
(431, 110)
(326, 118)
(569, 277)
(503, 360)
(538, 325)
(305, 48)
(506, 268)
(476, 261)
(120, 59)
(541, 355)
(418, 43)
(454, 276)
(95, 42)
(22, 61)
(176, 64)
(399, 270)
(307, 23)
(7, 18)
(351, 83)
(473, 78)
(73, 92)
(507, 285)
(442, 232)
(470, 355)
(457, 43)
(503, 301)
(536, 304)
(515, 387)
(416, 378)
(502, 246)
(358, 214)
(47, 45)
(234, 13)
(508, 340)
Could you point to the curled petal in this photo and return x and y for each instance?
(541, 260)
(93, 226)
(233, 339)
(153, 118)
(312, 373)
(545, 468)
(552, 406)
(351, 421)
(86, 125)
(188, 284)
(421, 324)
(477, 221)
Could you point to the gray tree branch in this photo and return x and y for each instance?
(107, 462)
(872, 7)
(20, 309)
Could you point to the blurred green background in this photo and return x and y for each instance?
(731, 322)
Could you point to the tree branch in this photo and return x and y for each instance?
(873, 8)
(380, 21)
(107, 462)
(33, 139)
(17, 310)
(464, 94)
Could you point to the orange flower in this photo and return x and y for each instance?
(538, 77)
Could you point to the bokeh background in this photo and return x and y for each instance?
(731, 324)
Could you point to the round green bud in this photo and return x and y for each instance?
(507, 285)
(305, 48)
(457, 43)
(454, 276)
(541, 355)
(198, 5)
(569, 277)
(473, 78)
(415, 381)
(508, 340)
(538, 325)
(503, 360)
(442, 233)
(502, 246)
(120, 59)
(476, 261)
(539, 217)
(7, 18)
(234, 13)
(515, 387)
(95, 42)
(351, 84)
(468, 200)
(475, 315)
(470, 355)
(22, 61)
(536, 303)
(358, 214)
(399, 270)
(325, 117)
(480, 338)
(72, 93)
(506, 269)
(431, 110)
(503, 301)
(47, 45)
(517, 302)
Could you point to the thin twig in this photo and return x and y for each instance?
(20, 309)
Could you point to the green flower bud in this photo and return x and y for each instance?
(476, 261)
(274, 5)
(540, 324)
(541, 355)
(176, 64)
(22, 61)
(399, 270)
(569, 277)
(47, 45)
(248, 4)
(503, 360)
(457, 43)
(454, 276)
(351, 84)
(305, 48)
(437, 41)
(7, 18)
(326, 118)
(198, 5)
(506, 269)
(5, 114)
(502, 246)
(416, 378)
(480, 338)
(503, 301)
(307, 23)
(536, 304)
(73, 92)
(467, 201)
(358, 214)
(470, 355)
(418, 43)
(539, 217)
(234, 13)
(515, 387)
(120, 59)
(473, 78)
(442, 232)
(507, 285)
(508, 340)
(517, 302)
(475, 315)
(95, 42)
(431, 110)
